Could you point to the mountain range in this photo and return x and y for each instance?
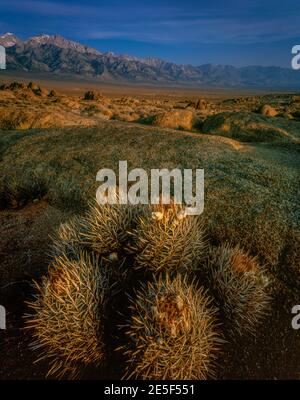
(57, 55)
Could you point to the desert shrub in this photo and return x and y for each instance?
(66, 193)
(17, 191)
(288, 269)
(91, 109)
(16, 119)
(296, 114)
(260, 230)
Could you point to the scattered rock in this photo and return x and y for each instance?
(268, 111)
(250, 127)
(12, 86)
(52, 93)
(36, 89)
(296, 114)
(91, 95)
(27, 119)
(295, 99)
(68, 102)
(179, 119)
(201, 104)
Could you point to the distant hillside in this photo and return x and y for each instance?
(55, 54)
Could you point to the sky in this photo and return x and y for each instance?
(244, 32)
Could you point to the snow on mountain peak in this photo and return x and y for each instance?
(8, 39)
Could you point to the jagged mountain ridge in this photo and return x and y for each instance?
(55, 54)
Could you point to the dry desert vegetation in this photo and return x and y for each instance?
(52, 145)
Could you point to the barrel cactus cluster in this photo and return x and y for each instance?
(238, 285)
(68, 314)
(173, 332)
(180, 298)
